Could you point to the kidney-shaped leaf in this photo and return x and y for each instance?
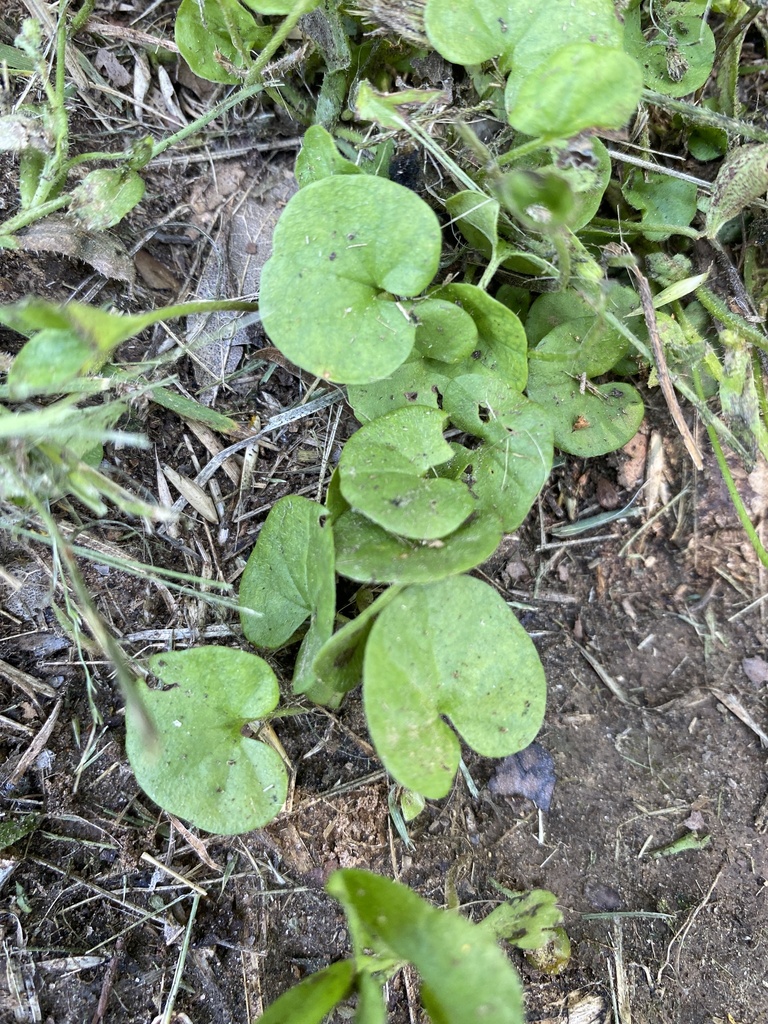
(386, 473)
(368, 554)
(201, 766)
(507, 472)
(587, 419)
(579, 86)
(450, 649)
(343, 248)
(465, 976)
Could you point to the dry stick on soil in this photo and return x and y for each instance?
(667, 388)
(609, 681)
(736, 708)
(34, 749)
(109, 981)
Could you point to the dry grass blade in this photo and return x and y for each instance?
(667, 388)
(34, 750)
(30, 685)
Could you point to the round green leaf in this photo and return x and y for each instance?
(679, 57)
(444, 332)
(450, 649)
(579, 86)
(103, 197)
(509, 469)
(501, 345)
(368, 554)
(203, 35)
(343, 248)
(201, 767)
(382, 474)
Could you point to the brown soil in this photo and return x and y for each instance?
(653, 643)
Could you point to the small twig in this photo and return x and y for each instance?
(159, 866)
(167, 1014)
(35, 748)
(109, 981)
(609, 681)
(736, 708)
(667, 388)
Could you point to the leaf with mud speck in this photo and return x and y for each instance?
(529, 773)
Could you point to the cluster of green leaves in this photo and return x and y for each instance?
(464, 975)
(466, 365)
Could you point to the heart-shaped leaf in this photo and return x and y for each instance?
(344, 247)
(465, 976)
(587, 419)
(509, 469)
(290, 577)
(501, 345)
(382, 474)
(367, 553)
(202, 767)
(103, 197)
(450, 649)
(578, 86)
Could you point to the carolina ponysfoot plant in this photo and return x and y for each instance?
(352, 294)
(464, 975)
(463, 383)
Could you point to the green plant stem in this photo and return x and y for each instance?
(718, 309)
(28, 216)
(738, 504)
(700, 115)
(79, 20)
(287, 25)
